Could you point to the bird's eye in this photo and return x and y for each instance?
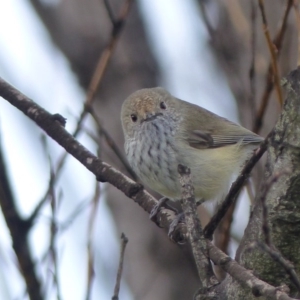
(162, 105)
(133, 117)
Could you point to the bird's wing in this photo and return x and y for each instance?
(202, 140)
(204, 129)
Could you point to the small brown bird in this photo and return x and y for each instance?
(162, 131)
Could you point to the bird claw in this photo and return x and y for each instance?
(153, 214)
(162, 202)
(175, 234)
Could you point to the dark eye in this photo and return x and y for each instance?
(133, 117)
(162, 105)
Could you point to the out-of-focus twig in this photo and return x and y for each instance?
(53, 235)
(54, 201)
(51, 184)
(111, 143)
(277, 43)
(272, 50)
(252, 73)
(222, 235)
(124, 240)
(92, 219)
(81, 206)
(209, 27)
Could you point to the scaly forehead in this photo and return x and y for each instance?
(144, 100)
(144, 104)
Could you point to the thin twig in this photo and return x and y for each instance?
(53, 223)
(109, 11)
(51, 184)
(273, 51)
(92, 220)
(234, 190)
(252, 73)
(81, 206)
(110, 142)
(53, 235)
(209, 27)
(277, 42)
(223, 232)
(124, 240)
(280, 34)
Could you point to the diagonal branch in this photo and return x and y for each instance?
(234, 191)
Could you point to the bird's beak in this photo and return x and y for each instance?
(150, 116)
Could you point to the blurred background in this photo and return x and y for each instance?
(210, 52)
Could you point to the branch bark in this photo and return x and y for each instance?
(195, 233)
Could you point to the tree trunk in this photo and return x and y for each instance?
(282, 201)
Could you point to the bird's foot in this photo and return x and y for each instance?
(175, 234)
(162, 202)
